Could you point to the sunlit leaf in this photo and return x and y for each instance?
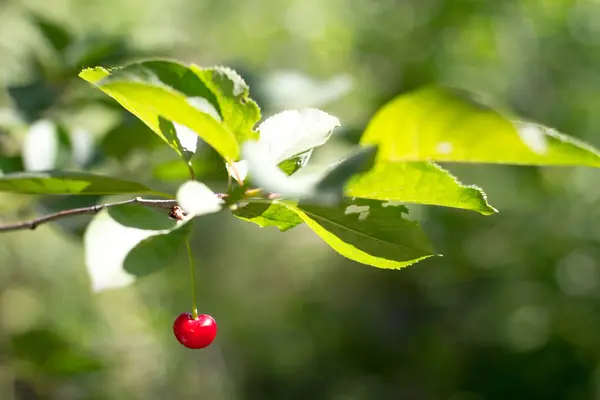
(287, 139)
(417, 182)
(323, 188)
(67, 182)
(294, 164)
(94, 75)
(294, 132)
(368, 232)
(238, 111)
(196, 199)
(264, 215)
(172, 100)
(444, 125)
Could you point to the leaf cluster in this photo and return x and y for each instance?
(357, 205)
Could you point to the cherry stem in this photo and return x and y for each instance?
(191, 170)
(193, 278)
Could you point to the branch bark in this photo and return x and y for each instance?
(34, 223)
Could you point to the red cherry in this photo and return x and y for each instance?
(195, 333)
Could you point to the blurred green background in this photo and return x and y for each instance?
(512, 310)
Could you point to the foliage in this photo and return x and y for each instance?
(353, 204)
(508, 312)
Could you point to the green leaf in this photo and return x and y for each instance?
(239, 112)
(48, 353)
(10, 164)
(208, 165)
(293, 132)
(264, 215)
(34, 98)
(440, 124)
(55, 34)
(323, 188)
(172, 100)
(294, 164)
(417, 182)
(156, 252)
(196, 199)
(368, 232)
(94, 49)
(67, 182)
(127, 136)
(94, 75)
(129, 241)
(287, 139)
(143, 218)
(333, 183)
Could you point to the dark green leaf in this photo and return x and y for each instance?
(156, 252)
(208, 165)
(54, 33)
(67, 182)
(368, 232)
(128, 241)
(48, 353)
(9, 164)
(127, 136)
(144, 218)
(264, 215)
(331, 186)
(97, 49)
(34, 98)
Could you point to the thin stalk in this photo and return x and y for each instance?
(191, 170)
(193, 278)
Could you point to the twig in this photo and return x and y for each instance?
(175, 211)
(34, 223)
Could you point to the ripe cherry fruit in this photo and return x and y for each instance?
(195, 333)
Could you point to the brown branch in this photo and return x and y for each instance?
(34, 223)
(174, 211)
